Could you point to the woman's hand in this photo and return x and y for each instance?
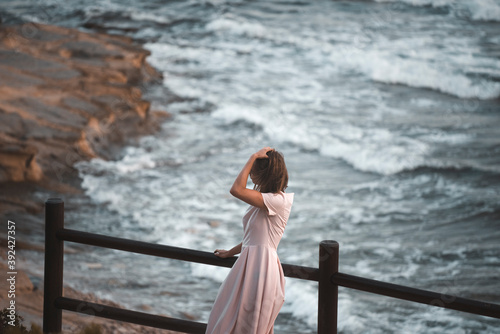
(261, 154)
(222, 253)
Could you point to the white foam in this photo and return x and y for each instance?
(435, 69)
(371, 150)
(131, 164)
(448, 138)
(440, 69)
(424, 75)
(480, 10)
(486, 10)
(433, 3)
(145, 16)
(135, 159)
(237, 25)
(301, 301)
(367, 149)
(93, 186)
(349, 320)
(446, 69)
(135, 14)
(426, 103)
(233, 113)
(217, 274)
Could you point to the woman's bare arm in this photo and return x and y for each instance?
(239, 188)
(228, 253)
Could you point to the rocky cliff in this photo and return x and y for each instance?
(66, 95)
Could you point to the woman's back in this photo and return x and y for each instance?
(266, 228)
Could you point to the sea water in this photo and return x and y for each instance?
(387, 113)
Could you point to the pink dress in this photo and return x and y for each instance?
(253, 293)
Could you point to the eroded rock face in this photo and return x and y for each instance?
(66, 96)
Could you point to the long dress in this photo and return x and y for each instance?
(253, 293)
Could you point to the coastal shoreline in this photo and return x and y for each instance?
(65, 96)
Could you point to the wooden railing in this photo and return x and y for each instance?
(327, 276)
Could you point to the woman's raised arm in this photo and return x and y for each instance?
(239, 188)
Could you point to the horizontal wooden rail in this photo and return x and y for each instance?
(183, 254)
(134, 317)
(301, 272)
(417, 295)
(326, 275)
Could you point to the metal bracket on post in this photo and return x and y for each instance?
(328, 291)
(53, 271)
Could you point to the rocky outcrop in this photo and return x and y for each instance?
(66, 96)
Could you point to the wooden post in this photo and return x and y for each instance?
(53, 272)
(327, 290)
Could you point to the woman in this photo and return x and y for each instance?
(254, 291)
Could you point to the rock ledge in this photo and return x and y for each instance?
(66, 96)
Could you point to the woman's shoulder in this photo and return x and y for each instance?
(280, 196)
(278, 203)
(284, 194)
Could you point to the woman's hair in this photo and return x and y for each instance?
(270, 175)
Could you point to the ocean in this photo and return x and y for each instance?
(387, 113)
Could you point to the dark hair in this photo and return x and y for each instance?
(270, 175)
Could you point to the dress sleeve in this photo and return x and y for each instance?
(273, 202)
